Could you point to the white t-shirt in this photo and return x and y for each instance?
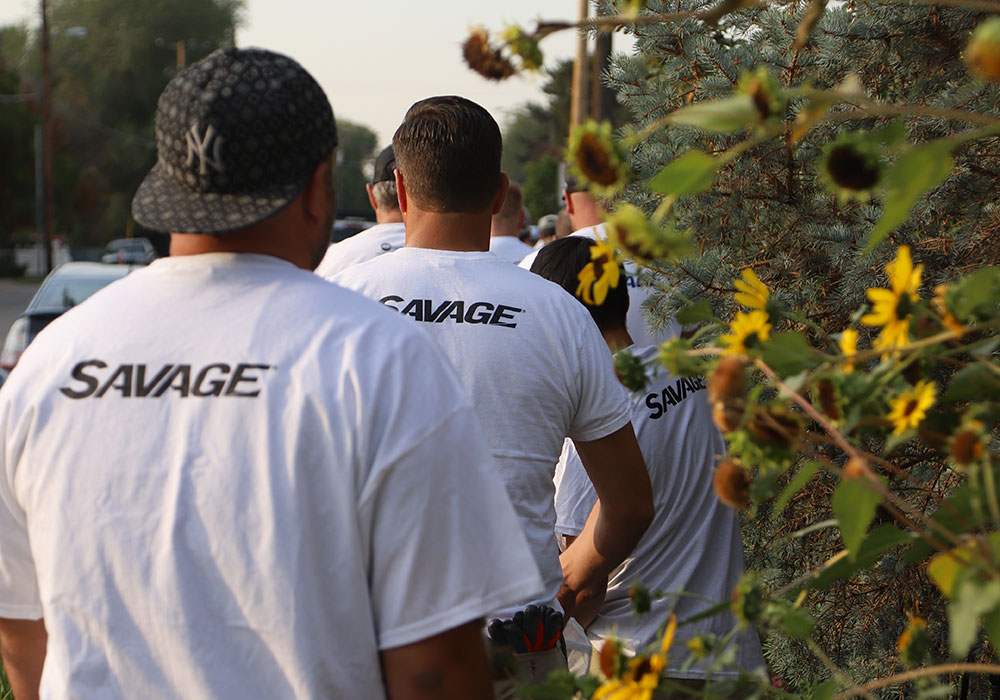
(365, 245)
(221, 479)
(530, 357)
(510, 248)
(640, 288)
(693, 543)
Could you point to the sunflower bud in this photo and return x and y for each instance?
(982, 55)
(856, 468)
(826, 395)
(642, 599)
(610, 658)
(967, 446)
(774, 426)
(630, 370)
(486, 60)
(765, 92)
(732, 484)
(597, 158)
(914, 643)
(748, 601)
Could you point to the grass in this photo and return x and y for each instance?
(5, 693)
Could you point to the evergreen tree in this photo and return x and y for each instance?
(772, 210)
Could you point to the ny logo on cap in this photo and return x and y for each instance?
(199, 147)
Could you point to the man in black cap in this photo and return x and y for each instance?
(386, 235)
(220, 477)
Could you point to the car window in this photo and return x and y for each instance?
(65, 294)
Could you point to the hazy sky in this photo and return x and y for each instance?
(375, 59)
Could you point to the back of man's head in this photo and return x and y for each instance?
(509, 220)
(448, 151)
(561, 262)
(383, 185)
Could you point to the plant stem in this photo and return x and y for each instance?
(835, 670)
(991, 669)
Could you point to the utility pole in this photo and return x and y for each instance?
(578, 108)
(601, 97)
(46, 90)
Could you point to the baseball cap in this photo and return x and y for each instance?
(238, 135)
(385, 163)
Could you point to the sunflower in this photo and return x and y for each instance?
(748, 331)
(643, 673)
(849, 348)
(599, 275)
(643, 240)
(485, 59)
(751, 292)
(910, 407)
(596, 157)
(894, 307)
(851, 166)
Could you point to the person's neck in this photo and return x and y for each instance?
(265, 238)
(616, 338)
(394, 216)
(461, 231)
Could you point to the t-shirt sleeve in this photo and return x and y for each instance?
(19, 597)
(445, 546)
(575, 495)
(604, 405)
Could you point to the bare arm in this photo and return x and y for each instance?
(620, 517)
(22, 646)
(448, 666)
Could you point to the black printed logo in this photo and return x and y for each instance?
(477, 312)
(93, 378)
(659, 402)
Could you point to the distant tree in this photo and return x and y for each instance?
(354, 154)
(16, 152)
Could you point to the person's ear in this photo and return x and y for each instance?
(569, 203)
(319, 195)
(400, 190)
(371, 196)
(501, 196)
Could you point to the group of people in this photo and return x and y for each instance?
(224, 476)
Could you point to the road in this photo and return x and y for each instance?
(14, 297)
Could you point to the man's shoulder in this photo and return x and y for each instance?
(361, 247)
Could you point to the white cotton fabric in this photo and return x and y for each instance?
(510, 248)
(693, 543)
(530, 357)
(364, 245)
(260, 525)
(639, 290)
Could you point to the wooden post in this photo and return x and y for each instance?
(46, 90)
(578, 107)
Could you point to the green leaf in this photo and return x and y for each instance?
(789, 353)
(824, 691)
(854, 504)
(700, 312)
(692, 173)
(797, 623)
(976, 296)
(727, 115)
(963, 511)
(991, 623)
(915, 172)
(802, 477)
(973, 382)
(971, 602)
(880, 541)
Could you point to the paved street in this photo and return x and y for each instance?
(14, 296)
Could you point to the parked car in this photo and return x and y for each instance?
(65, 287)
(130, 251)
(345, 228)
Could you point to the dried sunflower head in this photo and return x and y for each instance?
(851, 166)
(643, 241)
(982, 55)
(485, 59)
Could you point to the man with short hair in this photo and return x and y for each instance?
(586, 215)
(693, 545)
(506, 225)
(220, 477)
(385, 236)
(527, 353)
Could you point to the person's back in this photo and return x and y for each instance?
(693, 544)
(217, 481)
(506, 226)
(525, 352)
(533, 364)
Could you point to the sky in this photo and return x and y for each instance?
(375, 59)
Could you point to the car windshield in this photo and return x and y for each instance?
(67, 293)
